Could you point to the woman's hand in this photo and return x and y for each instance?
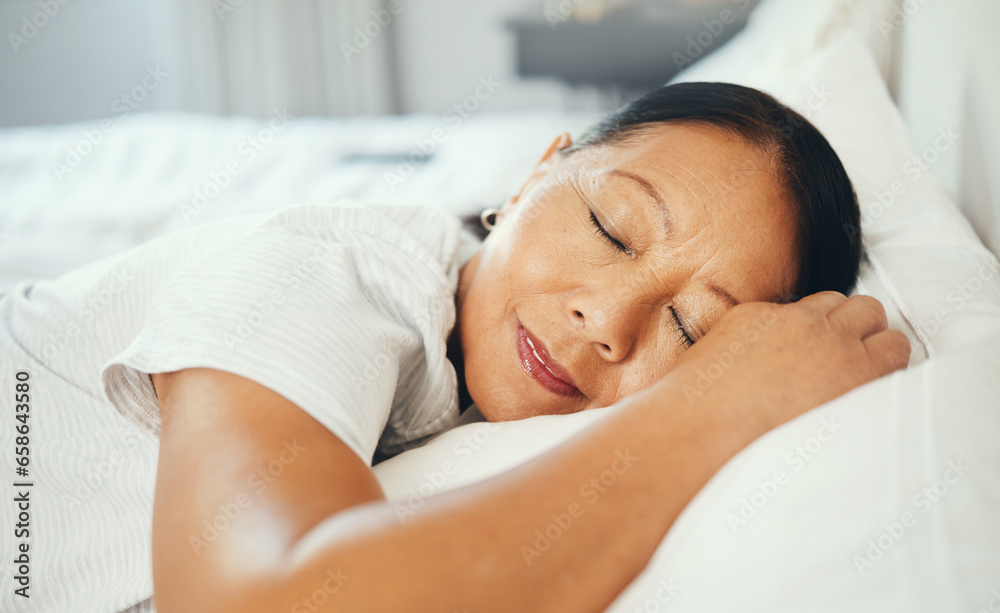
(764, 364)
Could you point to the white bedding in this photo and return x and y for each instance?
(134, 182)
(788, 524)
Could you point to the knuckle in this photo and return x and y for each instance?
(892, 354)
(870, 304)
(901, 348)
(832, 295)
(871, 309)
(826, 300)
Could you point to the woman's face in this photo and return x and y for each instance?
(556, 318)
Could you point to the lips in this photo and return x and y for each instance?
(540, 365)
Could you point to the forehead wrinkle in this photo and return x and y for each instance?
(722, 181)
(761, 161)
(755, 274)
(672, 175)
(768, 168)
(729, 139)
(680, 163)
(719, 179)
(658, 280)
(742, 260)
(696, 177)
(704, 161)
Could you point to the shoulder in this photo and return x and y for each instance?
(425, 225)
(419, 234)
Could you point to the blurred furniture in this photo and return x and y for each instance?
(630, 45)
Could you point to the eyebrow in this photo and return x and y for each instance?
(723, 294)
(668, 218)
(718, 291)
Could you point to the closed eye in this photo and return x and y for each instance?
(686, 339)
(599, 229)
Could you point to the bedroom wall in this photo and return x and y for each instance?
(469, 40)
(90, 52)
(84, 56)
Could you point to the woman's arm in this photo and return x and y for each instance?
(260, 508)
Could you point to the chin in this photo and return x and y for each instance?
(492, 405)
(488, 406)
(488, 414)
(514, 410)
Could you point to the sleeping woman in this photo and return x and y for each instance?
(203, 411)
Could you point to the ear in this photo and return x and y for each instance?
(561, 142)
(549, 159)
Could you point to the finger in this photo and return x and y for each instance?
(859, 316)
(823, 302)
(888, 350)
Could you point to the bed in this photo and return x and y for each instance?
(891, 504)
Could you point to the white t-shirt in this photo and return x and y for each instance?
(344, 309)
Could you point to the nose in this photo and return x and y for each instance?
(612, 320)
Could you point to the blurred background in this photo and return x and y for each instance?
(121, 120)
(71, 60)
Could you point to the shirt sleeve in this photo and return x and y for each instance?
(299, 305)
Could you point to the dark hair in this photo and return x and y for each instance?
(826, 205)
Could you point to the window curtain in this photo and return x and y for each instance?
(248, 57)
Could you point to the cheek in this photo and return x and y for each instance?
(534, 257)
(484, 331)
(518, 272)
(653, 367)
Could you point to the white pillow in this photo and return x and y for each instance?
(780, 33)
(813, 545)
(803, 545)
